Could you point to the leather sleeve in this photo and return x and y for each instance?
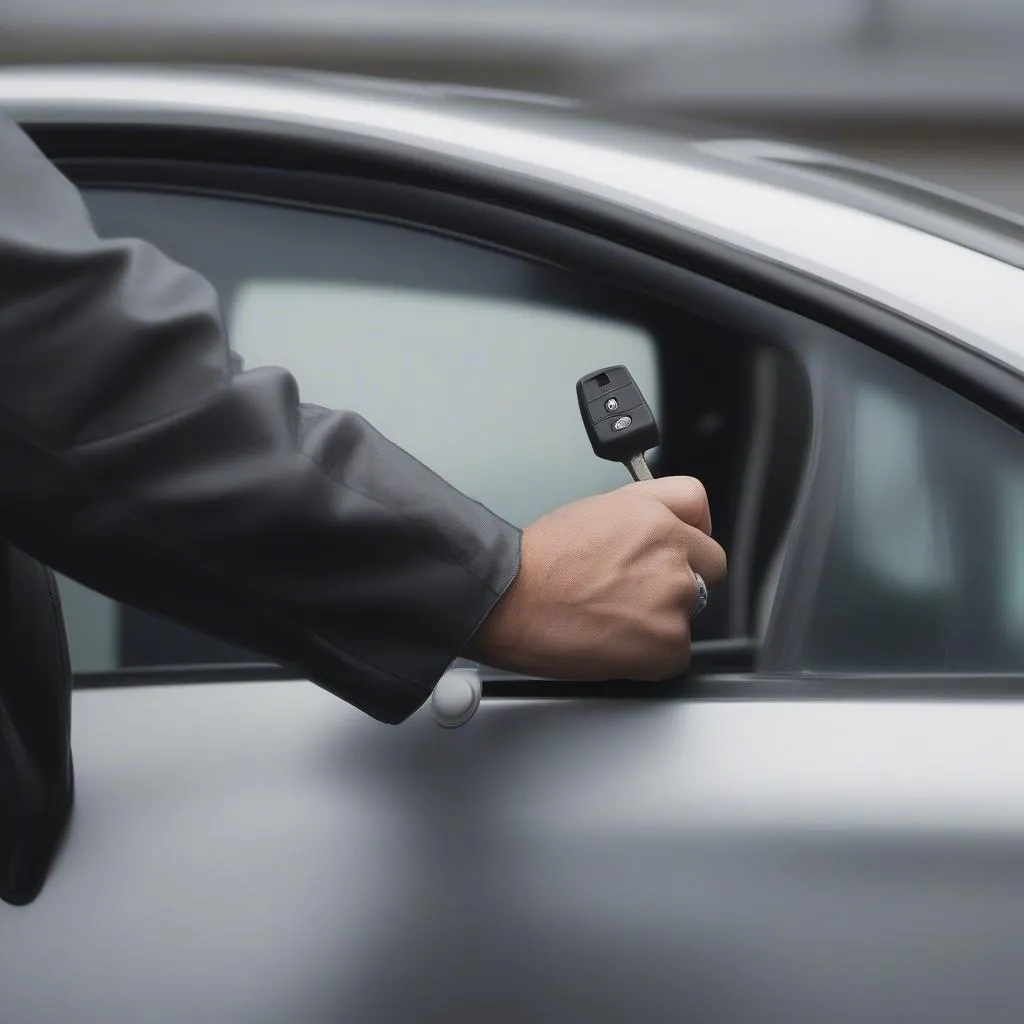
(134, 460)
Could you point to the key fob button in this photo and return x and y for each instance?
(622, 422)
(622, 399)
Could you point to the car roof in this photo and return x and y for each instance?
(935, 257)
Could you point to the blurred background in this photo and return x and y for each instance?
(932, 87)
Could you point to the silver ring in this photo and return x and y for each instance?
(702, 596)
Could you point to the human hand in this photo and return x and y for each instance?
(606, 586)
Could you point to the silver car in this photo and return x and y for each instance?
(823, 820)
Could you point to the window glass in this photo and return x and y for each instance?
(480, 389)
(466, 357)
(924, 568)
(1010, 506)
(890, 484)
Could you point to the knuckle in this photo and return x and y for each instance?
(720, 566)
(688, 586)
(708, 557)
(696, 498)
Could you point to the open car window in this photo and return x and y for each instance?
(467, 355)
(464, 356)
(479, 388)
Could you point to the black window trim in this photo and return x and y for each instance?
(621, 239)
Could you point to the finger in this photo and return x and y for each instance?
(704, 555)
(690, 592)
(684, 496)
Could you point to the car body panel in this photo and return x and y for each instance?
(956, 290)
(262, 852)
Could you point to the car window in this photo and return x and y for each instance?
(924, 568)
(480, 389)
(1010, 515)
(465, 356)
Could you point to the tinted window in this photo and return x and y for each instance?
(924, 571)
(464, 356)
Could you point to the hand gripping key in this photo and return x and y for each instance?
(619, 423)
(621, 428)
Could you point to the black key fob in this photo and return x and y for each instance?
(618, 421)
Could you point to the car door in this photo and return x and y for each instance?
(820, 822)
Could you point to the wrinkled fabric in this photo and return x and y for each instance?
(136, 460)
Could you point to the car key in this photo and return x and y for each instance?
(621, 428)
(619, 423)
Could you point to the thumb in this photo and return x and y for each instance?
(684, 496)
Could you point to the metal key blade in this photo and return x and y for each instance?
(638, 468)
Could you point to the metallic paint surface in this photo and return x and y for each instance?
(262, 852)
(974, 297)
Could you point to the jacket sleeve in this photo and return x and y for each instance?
(134, 460)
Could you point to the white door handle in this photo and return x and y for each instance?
(456, 697)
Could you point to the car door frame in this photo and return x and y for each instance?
(543, 222)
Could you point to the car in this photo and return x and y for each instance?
(821, 820)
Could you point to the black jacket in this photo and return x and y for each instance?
(133, 460)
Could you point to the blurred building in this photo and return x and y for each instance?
(935, 87)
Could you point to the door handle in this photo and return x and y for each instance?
(456, 696)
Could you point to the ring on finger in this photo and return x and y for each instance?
(702, 596)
